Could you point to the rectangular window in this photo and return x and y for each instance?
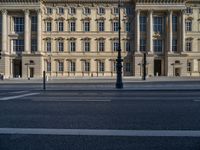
(60, 26)
(48, 46)
(33, 45)
(101, 10)
(0, 24)
(49, 11)
(86, 26)
(115, 26)
(114, 66)
(72, 26)
(34, 23)
(60, 46)
(101, 66)
(86, 46)
(189, 66)
(48, 26)
(128, 46)
(116, 10)
(115, 46)
(18, 45)
(19, 24)
(61, 66)
(101, 46)
(174, 23)
(48, 66)
(128, 67)
(128, 26)
(87, 11)
(157, 44)
(61, 10)
(143, 23)
(72, 66)
(72, 11)
(189, 46)
(101, 26)
(128, 10)
(174, 45)
(72, 46)
(158, 24)
(189, 25)
(189, 10)
(87, 66)
(142, 45)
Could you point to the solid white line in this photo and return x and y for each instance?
(196, 100)
(19, 96)
(102, 132)
(49, 100)
(18, 92)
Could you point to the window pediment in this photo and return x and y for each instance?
(101, 19)
(72, 18)
(60, 19)
(86, 19)
(48, 19)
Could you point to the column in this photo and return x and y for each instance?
(137, 35)
(183, 30)
(39, 30)
(170, 34)
(4, 31)
(150, 31)
(27, 32)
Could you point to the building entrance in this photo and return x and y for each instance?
(157, 67)
(17, 68)
(31, 72)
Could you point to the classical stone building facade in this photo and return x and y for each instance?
(70, 38)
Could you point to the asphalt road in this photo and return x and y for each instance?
(99, 110)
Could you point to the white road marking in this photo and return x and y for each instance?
(18, 96)
(18, 92)
(65, 100)
(102, 132)
(196, 100)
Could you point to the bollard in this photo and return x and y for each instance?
(44, 80)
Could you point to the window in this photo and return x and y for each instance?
(143, 23)
(48, 46)
(101, 46)
(189, 25)
(72, 46)
(158, 24)
(101, 26)
(48, 66)
(115, 46)
(128, 11)
(60, 26)
(60, 46)
(19, 24)
(18, 45)
(86, 26)
(128, 46)
(116, 10)
(72, 26)
(72, 66)
(115, 26)
(114, 66)
(174, 45)
(86, 46)
(128, 26)
(60, 66)
(33, 45)
(128, 67)
(142, 45)
(34, 23)
(86, 66)
(61, 10)
(48, 26)
(189, 66)
(189, 46)
(101, 66)
(72, 11)
(49, 11)
(157, 44)
(101, 10)
(0, 23)
(87, 11)
(189, 10)
(174, 23)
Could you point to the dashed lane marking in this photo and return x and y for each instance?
(65, 100)
(18, 92)
(102, 132)
(18, 96)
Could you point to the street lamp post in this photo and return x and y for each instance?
(144, 66)
(119, 83)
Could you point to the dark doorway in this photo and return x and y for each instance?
(31, 72)
(17, 68)
(157, 67)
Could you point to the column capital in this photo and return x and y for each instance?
(170, 12)
(137, 11)
(182, 12)
(4, 11)
(39, 11)
(26, 11)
